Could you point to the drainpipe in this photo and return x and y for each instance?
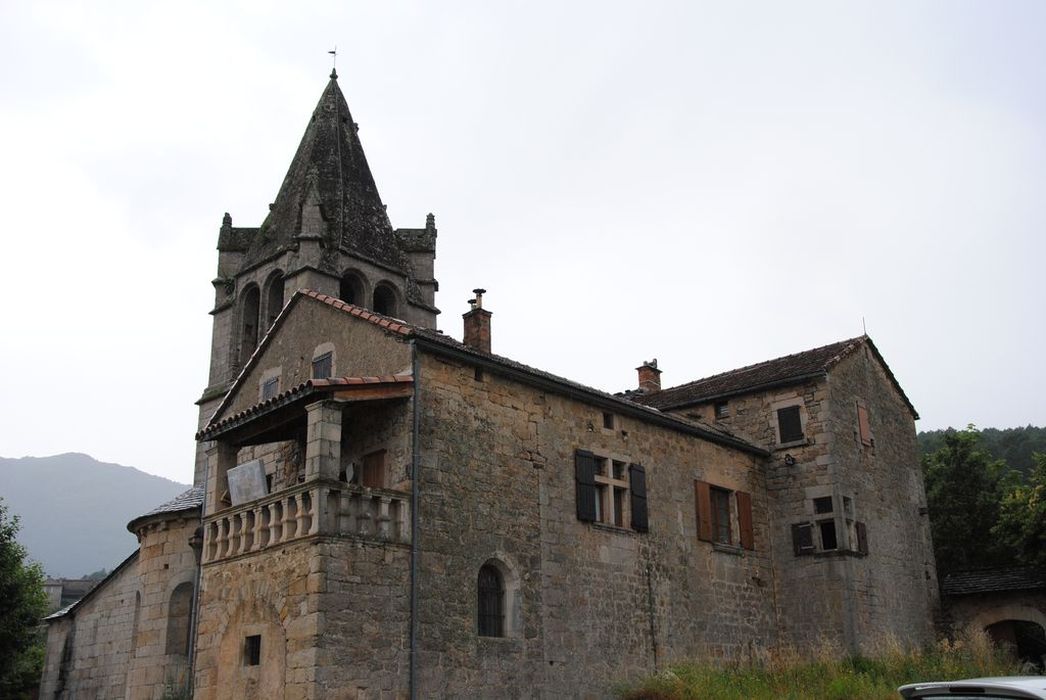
(415, 498)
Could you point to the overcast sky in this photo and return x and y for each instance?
(710, 184)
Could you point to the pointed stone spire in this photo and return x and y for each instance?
(329, 190)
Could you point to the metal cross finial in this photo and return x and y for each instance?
(334, 62)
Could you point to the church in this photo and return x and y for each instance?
(380, 510)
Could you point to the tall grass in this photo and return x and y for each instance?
(824, 676)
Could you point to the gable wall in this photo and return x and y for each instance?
(498, 481)
(88, 652)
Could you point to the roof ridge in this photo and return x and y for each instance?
(756, 365)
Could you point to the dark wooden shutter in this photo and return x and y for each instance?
(637, 490)
(862, 537)
(585, 477)
(744, 519)
(803, 538)
(789, 424)
(703, 504)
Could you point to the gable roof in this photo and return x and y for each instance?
(1013, 578)
(782, 371)
(330, 170)
(436, 342)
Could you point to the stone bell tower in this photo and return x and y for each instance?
(328, 231)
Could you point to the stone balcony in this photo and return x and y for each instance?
(312, 509)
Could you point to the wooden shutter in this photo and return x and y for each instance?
(373, 470)
(744, 519)
(862, 537)
(863, 425)
(703, 504)
(789, 424)
(637, 492)
(803, 538)
(585, 478)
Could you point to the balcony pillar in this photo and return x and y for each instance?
(221, 458)
(323, 441)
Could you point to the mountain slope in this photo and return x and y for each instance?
(75, 509)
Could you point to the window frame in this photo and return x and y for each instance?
(490, 602)
(791, 438)
(611, 491)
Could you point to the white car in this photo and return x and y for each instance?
(1012, 687)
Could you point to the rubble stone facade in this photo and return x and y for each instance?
(380, 511)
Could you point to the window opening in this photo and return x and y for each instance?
(789, 424)
(721, 409)
(374, 470)
(720, 515)
(274, 300)
(350, 289)
(828, 537)
(249, 322)
(270, 387)
(610, 491)
(252, 650)
(608, 421)
(322, 366)
(823, 505)
(491, 600)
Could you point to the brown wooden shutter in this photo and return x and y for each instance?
(373, 470)
(637, 491)
(803, 538)
(744, 519)
(862, 537)
(863, 426)
(585, 478)
(703, 504)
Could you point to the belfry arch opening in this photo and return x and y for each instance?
(351, 289)
(250, 303)
(273, 297)
(384, 300)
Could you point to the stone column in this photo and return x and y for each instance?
(323, 442)
(221, 458)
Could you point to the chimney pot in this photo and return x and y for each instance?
(649, 377)
(477, 323)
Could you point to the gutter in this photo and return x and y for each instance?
(415, 498)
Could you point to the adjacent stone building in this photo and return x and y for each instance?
(382, 511)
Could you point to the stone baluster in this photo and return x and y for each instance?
(275, 526)
(241, 532)
(383, 529)
(364, 519)
(304, 508)
(288, 520)
(318, 496)
(259, 527)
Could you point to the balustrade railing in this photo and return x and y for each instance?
(304, 510)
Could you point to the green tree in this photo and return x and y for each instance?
(1022, 516)
(22, 605)
(965, 488)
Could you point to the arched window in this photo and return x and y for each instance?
(385, 300)
(179, 613)
(273, 297)
(249, 303)
(350, 290)
(491, 602)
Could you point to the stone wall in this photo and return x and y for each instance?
(589, 603)
(167, 573)
(88, 650)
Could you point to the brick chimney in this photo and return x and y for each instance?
(649, 377)
(477, 323)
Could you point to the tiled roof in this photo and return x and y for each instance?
(1014, 578)
(187, 500)
(94, 591)
(303, 389)
(785, 370)
(437, 339)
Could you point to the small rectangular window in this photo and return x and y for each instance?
(601, 466)
(720, 515)
(619, 507)
(322, 366)
(803, 539)
(721, 409)
(608, 421)
(823, 505)
(270, 387)
(789, 424)
(252, 650)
